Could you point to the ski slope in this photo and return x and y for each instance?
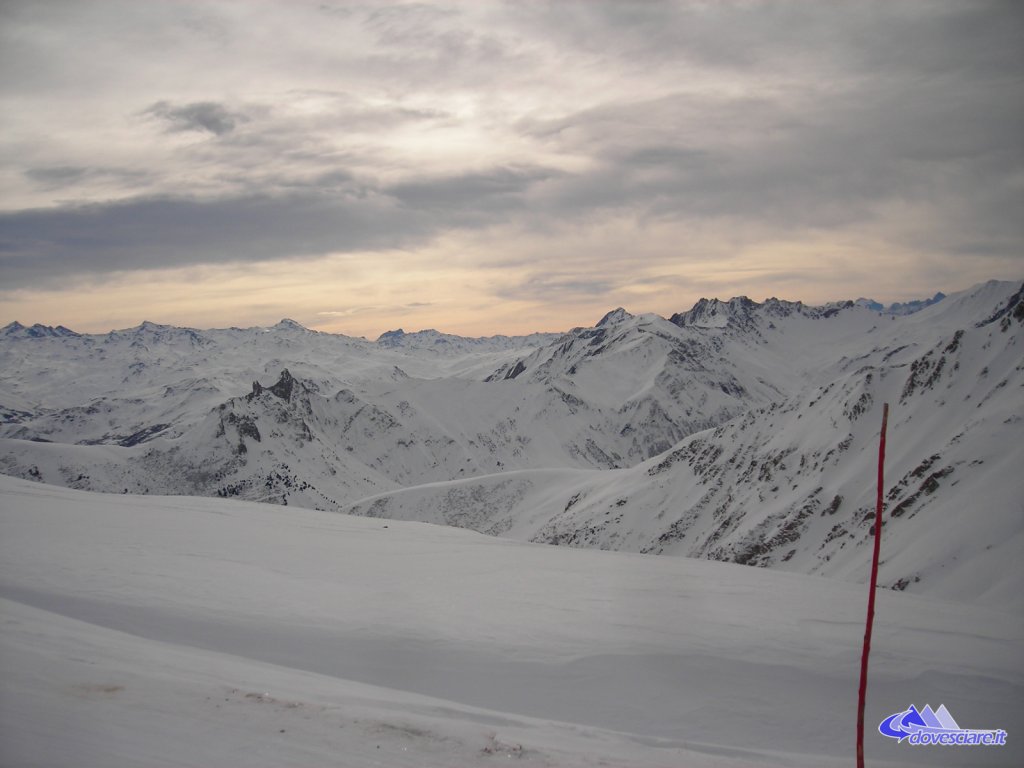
(146, 630)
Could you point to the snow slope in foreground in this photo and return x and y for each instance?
(154, 630)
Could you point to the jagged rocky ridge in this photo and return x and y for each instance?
(737, 430)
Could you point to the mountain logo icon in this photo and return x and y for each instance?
(928, 727)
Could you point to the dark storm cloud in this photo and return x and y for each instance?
(49, 245)
(328, 214)
(206, 116)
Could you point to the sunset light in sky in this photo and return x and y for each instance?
(499, 167)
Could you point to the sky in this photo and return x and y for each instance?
(499, 167)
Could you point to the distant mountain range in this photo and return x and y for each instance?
(736, 430)
(905, 308)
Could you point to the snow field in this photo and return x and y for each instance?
(187, 631)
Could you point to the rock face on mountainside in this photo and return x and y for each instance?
(737, 430)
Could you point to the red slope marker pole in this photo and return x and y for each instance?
(862, 692)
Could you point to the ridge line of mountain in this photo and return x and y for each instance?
(40, 330)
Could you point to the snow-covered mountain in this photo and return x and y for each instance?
(736, 430)
(791, 484)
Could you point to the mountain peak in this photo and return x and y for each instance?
(36, 331)
(617, 315)
(714, 313)
(287, 324)
(391, 338)
(149, 325)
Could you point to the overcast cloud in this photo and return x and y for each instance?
(581, 152)
(200, 116)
